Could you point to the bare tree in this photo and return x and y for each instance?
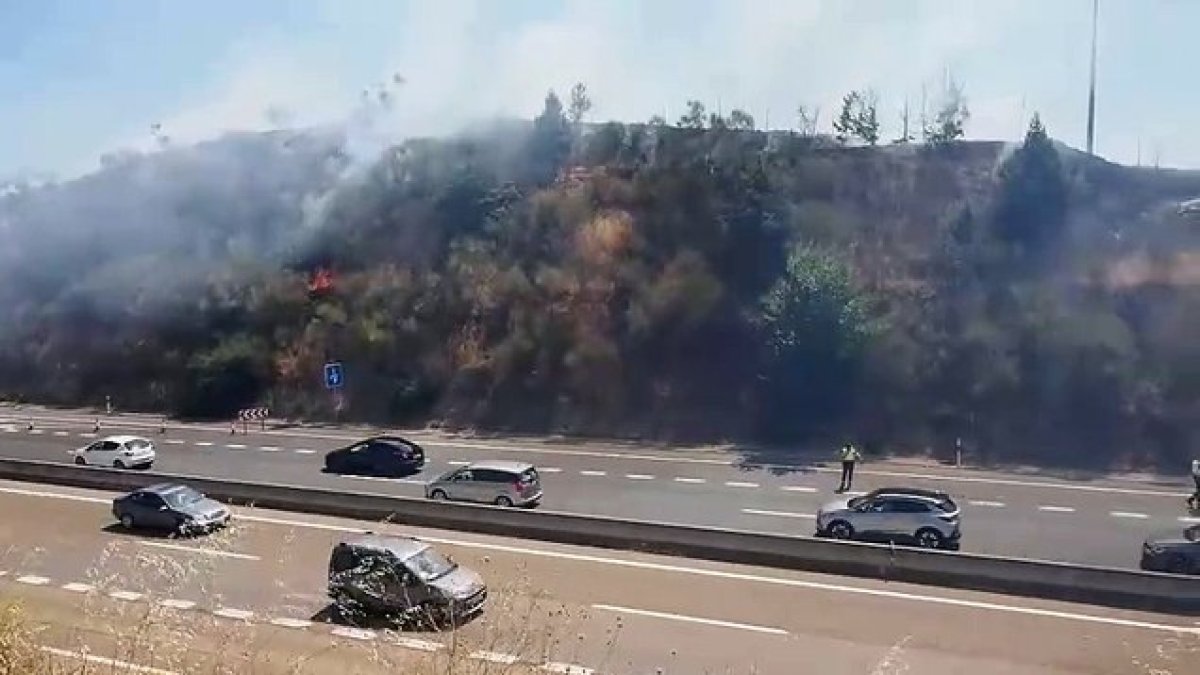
(580, 103)
(950, 121)
(808, 119)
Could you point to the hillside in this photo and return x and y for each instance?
(625, 280)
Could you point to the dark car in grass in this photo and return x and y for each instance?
(1175, 552)
(377, 456)
(170, 507)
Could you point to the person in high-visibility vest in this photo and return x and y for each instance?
(849, 455)
(1194, 500)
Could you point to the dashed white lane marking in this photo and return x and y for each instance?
(1128, 514)
(703, 572)
(235, 614)
(567, 669)
(781, 514)
(117, 666)
(76, 587)
(984, 502)
(127, 596)
(304, 451)
(235, 446)
(202, 551)
(285, 622)
(353, 633)
(86, 434)
(458, 462)
(639, 476)
(549, 469)
(176, 441)
(685, 479)
(172, 603)
(60, 433)
(204, 444)
(854, 493)
(269, 448)
(693, 619)
(1189, 519)
(417, 643)
(590, 472)
(798, 488)
(37, 432)
(1057, 509)
(494, 657)
(33, 580)
(740, 484)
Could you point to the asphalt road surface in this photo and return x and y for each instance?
(1099, 522)
(260, 586)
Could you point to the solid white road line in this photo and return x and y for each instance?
(740, 484)
(798, 488)
(202, 551)
(587, 472)
(33, 580)
(708, 573)
(984, 502)
(494, 657)
(1128, 514)
(683, 479)
(235, 614)
(781, 514)
(76, 587)
(117, 666)
(639, 476)
(127, 596)
(353, 633)
(1057, 509)
(692, 619)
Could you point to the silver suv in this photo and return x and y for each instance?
(924, 517)
(492, 482)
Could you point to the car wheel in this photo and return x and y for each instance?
(118, 464)
(439, 495)
(127, 521)
(503, 501)
(840, 529)
(927, 537)
(80, 461)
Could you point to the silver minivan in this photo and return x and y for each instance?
(498, 482)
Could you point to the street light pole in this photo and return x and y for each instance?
(1091, 120)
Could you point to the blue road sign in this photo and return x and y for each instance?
(334, 377)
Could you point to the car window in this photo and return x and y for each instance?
(109, 445)
(429, 565)
(494, 476)
(359, 447)
(909, 506)
(463, 475)
(183, 497)
(150, 499)
(530, 476)
(137, 444)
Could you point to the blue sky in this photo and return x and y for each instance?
(83, 77)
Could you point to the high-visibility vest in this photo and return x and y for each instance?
(850, 454)
(1196, 467)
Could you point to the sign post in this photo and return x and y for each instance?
(335, 380)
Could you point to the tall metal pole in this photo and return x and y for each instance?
(1091, 120)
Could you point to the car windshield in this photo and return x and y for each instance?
(182, 497)
(857, 502)
(429, 565)
(138, 444)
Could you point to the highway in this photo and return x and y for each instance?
(1101, 522)
(257, 591)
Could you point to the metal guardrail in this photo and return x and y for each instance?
(1130, 589)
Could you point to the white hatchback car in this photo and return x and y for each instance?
(120, 452)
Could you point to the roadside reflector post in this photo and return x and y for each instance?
(96, 426)
(162, 426)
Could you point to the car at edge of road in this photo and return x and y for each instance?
(499, 482)
(1175, 552)
(119, 452)
(927, 518)
(377, 456)
(392, 575)
(170, 507)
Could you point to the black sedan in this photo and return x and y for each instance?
(170, 507)
(377, 456)
(1172, 552)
